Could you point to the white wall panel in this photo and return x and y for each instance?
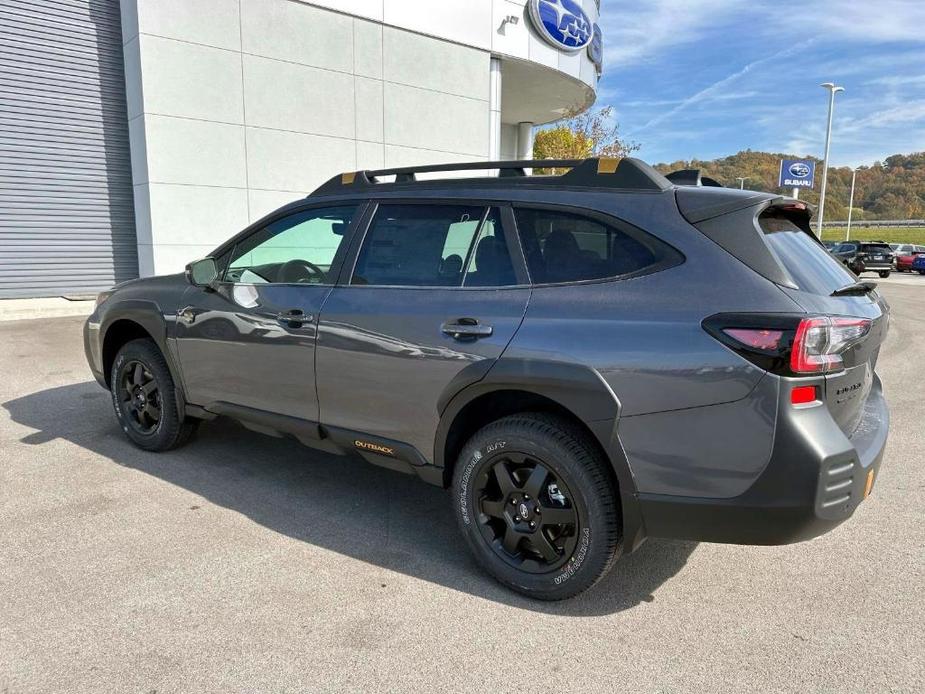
(367, 49)
(194, 152)
(371, 9)
(287, 96)
(184, 79)
(262, 202)
(422, 61)
(298, 33)
(208, 22)
(370, 155)
(279, 160)
(368, 109)
(512, 39)
(463, 21)
(197, 215)
(433, 120)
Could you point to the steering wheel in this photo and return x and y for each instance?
(300, 271)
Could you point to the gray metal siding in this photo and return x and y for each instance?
(67, 223)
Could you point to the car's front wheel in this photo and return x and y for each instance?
(537, 506)
(144, 398)
(884, 274)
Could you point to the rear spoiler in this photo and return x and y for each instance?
(692, 177)
(699, 204)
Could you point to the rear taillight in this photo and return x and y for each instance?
(786, 344)
(819, 343)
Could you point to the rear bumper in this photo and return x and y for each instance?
(815, 479)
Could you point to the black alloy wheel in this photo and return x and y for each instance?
(146, 400)
(140, 397)
(537, 505)
(526, 515)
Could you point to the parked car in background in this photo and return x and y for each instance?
(866, 256)
(918, 264)
(905, 254)
(830, 245)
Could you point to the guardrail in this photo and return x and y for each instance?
(872, 223)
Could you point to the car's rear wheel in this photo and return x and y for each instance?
(884, 274)
(144, 398)
(537, 506)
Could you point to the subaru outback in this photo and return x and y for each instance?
(585, 360)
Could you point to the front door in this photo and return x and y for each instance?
(250, 341)
(433, 300)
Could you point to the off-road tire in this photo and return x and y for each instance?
(169, 431)
(568, 454)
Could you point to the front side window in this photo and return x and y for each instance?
(297, 249)
(565, 247)
(434, 246)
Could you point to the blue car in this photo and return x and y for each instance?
(919, 264)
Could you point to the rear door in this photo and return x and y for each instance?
(435, 294)
(817, 275)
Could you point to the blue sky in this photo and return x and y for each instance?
(707, 78)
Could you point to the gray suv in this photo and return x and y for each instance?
(585, 360)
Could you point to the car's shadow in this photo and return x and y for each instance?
(339, 503)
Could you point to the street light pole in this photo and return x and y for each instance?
(854, 173)
(741, 181)
(833, 90)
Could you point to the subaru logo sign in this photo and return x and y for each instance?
(796, 173)
(596, 49)
(562, 23)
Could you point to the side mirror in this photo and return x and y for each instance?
(202, 273)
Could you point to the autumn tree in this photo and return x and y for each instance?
(582, 134)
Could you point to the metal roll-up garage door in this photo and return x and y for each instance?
(67, 224)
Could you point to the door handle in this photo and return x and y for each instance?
(463, 328)
(294, 318)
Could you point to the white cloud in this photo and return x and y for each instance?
(650, 30)
(646, 30)
(870, 22)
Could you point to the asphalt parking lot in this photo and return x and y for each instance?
(247, 563)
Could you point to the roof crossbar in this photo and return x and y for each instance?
(627, 173)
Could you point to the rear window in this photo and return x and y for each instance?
(875, 248)
(807, 262)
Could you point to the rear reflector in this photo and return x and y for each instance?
(802, 395)
(756, 337)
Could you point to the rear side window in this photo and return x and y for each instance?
(566, 247)
(434, 246)
(806, 261)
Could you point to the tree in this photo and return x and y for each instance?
(582, 134)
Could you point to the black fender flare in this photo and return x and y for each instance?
(579, 389)
(149, 316)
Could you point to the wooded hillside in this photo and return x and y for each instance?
(891, 189)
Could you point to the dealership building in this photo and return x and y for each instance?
(136, 138)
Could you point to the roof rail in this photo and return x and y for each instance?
(627, 173)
